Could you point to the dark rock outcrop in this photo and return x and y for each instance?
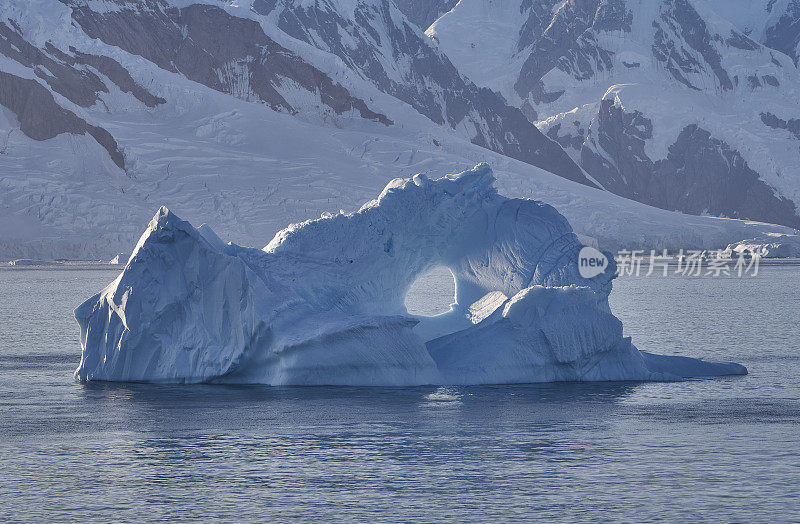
(378, 33)
(701, 174)
(791, 125)
(41, 118)
(680, 19)
(567, 42)
(740, 41)
(565, 138)
(117, 74)
(784, 35)
(555, 41)
(208, 45)
(538, 16)
(66, 74)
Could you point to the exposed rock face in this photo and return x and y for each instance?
(784, 35)
(572, 138)
(64, 74)
(563, 41)
(557, 39)
(233, 54)
(791, 125)
(115, 72)
(538, 15)
(701, 174)
(210, 46)
(71, 75)
(675, 66)
(40, 117)
(721, 182)
(685, 72)
(680, 35)
(740, 41)
(379, 43)
(569, 42)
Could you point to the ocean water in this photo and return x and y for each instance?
(721, 450)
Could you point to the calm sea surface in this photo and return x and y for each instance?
(720, 450)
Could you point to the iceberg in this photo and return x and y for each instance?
(767, 245)
(323, 302)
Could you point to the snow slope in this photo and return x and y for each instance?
(323, 303)
(245, 166)
(237, 166)
(773, 23)
(666, 102)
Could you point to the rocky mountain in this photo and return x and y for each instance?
(783, 31)
(375, 40)
(665, 102)
(773, 23)
(232, 53)
(252, 113)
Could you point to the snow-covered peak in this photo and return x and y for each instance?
(623, 84)
(375, 40)
(111, 107)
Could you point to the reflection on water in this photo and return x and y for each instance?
(443, 396)
(699, 450)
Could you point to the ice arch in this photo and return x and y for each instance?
(323, 302)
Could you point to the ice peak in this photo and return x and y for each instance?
(164, 219)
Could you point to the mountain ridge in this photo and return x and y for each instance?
(262, 127)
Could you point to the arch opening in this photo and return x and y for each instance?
(432, 293)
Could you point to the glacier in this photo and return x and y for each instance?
(323, 302)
